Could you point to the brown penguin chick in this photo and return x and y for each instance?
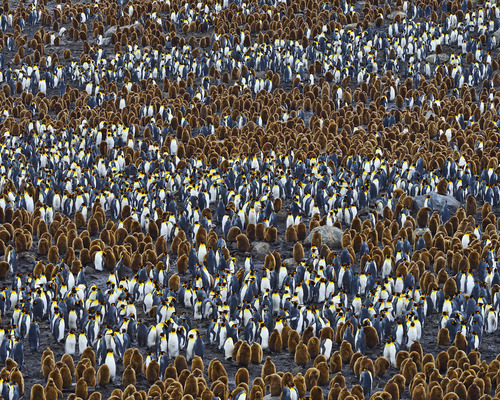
(442, 361)
(307, 334)
(275, 342)
(271, 234)
(241, 376)
(335, 390)
(218, 371)
(450, 287)
(293, 341)
(206, 394)
(442, 187)
(37, 392)
(81, 388)
(43, 247)
(48, 366)
(197, 363)
(153, 371)
(345, 351)
(274, 383)
(269, 262)
(291, 234)
(460, 341)
(443, 338)
(182, 264)
(400, 381)
(393, 389)
(474, 392)
(423, 217)
(285, 334)
(244, 354)
(470, 205)
(316, 393)
(255, 393)
(95, 396)
(335, 362)
(400, 358)
(301, 231)
(300, 384)
(251, 231)
(242, 243)
(371, 336)
(326, 333)
(174, 282)
(184, 375)
(47, 353)
(311, 378)
(338, 379)
(136, 361)
(88, 353)
(103, 375)
(301, 356)
(316, 239)
(260, 231)
(257, 353)
(382, 364)
(267, 369)
(89, 376)
(170, 373)
(55, 375)
(319, 359)
(409, 370)
(16, 377)
(435, 390)
(324, 373)
(191, 386)
(313, 346)
(233, 234)
(298, 252)
(287, 379)
(419, 392)
(53, 255)
(66, 376)
(180, 364)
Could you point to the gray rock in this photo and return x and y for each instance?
(496, 34)
(110, 31)
(113, 29)
(419, 232)
(429, 114)
(330, 235)
(289, 263)
(437, 202)
(260, 250)
(393, 14)
(443, 57)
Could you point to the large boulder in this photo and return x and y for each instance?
(330, 235)
(260, 250)
(437, 202)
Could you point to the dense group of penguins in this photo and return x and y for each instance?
(306, 185)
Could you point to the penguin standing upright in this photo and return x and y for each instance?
(70, 344)
(366, 382)
(111, 363)
(190, 346)
(18, 352)
(82, 342)
(173, 344)
(34, 336)
(228, 348)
